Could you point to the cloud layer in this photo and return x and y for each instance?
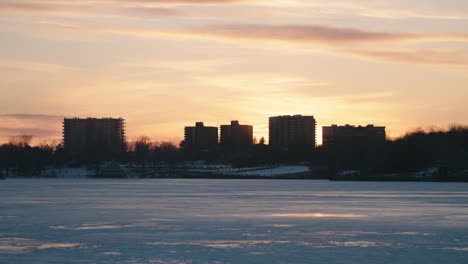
(40, 126)
(381, 45)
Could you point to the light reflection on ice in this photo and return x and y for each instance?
(317, 215)
(238, 244)
(256, 235)
(457, 248)
(58, 245)
(15, 244)
(360, 233)
(174, 261)
(96, 227)
(359, 244)
(103, 226)
(20, 245)
(220, 243)
(112, 253)
(280, 225)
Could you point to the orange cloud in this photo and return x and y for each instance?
(300, 34)
(317, 34)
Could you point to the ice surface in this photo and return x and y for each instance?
(231, 221)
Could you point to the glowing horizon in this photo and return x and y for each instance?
(162, 65)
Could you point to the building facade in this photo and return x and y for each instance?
(236, 135)
(347, 135)
(292, 132)
(200, 137)
(93, 136)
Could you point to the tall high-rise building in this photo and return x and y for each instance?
(236, 135)
(349, 136)
(92, 136)
(292, 132)
(200, 137)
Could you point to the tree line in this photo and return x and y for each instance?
(413, 151)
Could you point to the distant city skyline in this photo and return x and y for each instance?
(175, 139)
(163, 65)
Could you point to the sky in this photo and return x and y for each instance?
(165, 64)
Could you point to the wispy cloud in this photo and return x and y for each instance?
(83, 8)
(335, 40)
(318, 34)
(423, 56)
(36, 132)
(87, 5)
(138, 10)
(411, 14)
(293, 33)
(371, 9)
(148, 1)
(164, 1)
(32, 66)
(20, 6)
(31, 116)
(385, 9)
(40, 126)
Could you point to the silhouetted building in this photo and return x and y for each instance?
(236, 135)
(339, 136)
(292, 132)
(92, 137)
(200, 137)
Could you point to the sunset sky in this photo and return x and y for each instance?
(165, 64)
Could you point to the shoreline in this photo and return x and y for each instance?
(397, 178)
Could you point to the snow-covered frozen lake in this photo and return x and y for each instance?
(231, 221)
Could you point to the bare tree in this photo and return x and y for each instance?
(262, 141)
(142, 149)
(21, 141)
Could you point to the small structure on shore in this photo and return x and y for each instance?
(111, 170)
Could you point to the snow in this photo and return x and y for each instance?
(227, 169)
(282, 170)
(231, 221)
(198, 166)
(428, 172)
(349, 173)
(68, 172)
